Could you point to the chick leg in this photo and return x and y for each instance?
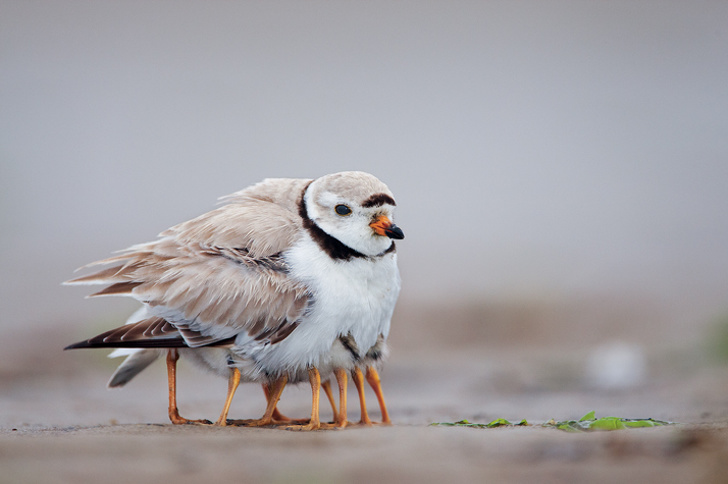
(233, 382)
(375, 383)
(358, 378)
(273, 394)
(340, 420)
(315, 424)
(278, 417)
(330, 395)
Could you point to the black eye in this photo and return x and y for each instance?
(342, 210)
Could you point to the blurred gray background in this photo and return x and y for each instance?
(556, 154)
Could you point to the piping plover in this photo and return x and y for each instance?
(265, 287)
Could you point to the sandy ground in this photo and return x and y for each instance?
(60, 424)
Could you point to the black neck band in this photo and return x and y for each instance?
(335, 248)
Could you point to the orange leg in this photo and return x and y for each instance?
(341, 381)
(273, 395)
(172, 357)
(233, 382)
(375, 383)
(315, 379)
(358, 378)
(330, 395)
(315, 424)
(278, 417)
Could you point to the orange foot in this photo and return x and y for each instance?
(274, 422)
(253, 422)
(177, 420)
(369, 423)
(311, 426)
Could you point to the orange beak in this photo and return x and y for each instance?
(384, 227)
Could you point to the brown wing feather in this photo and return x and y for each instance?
(263, 219)
(220, 273)
(118, 289)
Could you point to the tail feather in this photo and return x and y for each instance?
(148, 333)
(132, 366)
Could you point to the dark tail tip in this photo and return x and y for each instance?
(80, 344)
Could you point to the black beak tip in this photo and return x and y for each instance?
(394, 232)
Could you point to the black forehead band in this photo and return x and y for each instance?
(378, 200)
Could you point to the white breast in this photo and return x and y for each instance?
(354, 296)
